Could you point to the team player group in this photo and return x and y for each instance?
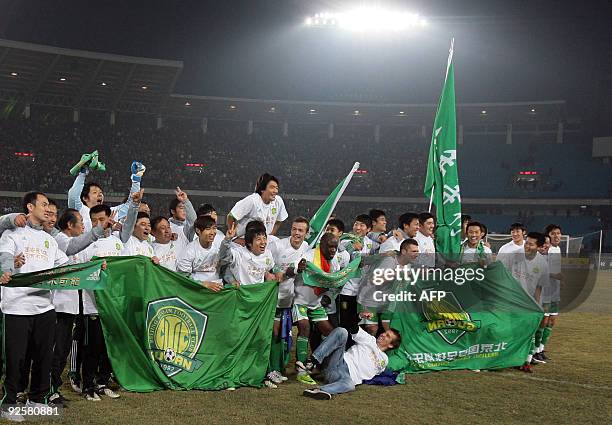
(189, 242)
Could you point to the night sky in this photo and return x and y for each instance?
(505, 50)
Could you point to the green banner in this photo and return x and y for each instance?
(483, 323)
(163, 330)
(442, 181)
(314, 276)
(77, 276)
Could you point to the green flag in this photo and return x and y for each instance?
(442, 182)
(163, 330)
(76, 276)
(319, 220)
(483, 323)
(314, 276)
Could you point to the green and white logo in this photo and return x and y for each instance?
(175, 332)
(447, 317)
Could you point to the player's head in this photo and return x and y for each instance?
(207, 209)
(71, 222)
(409, 223)
(362, 225)
(534, 241)
(36, 206)
(299, 230)
(206, 229)
(144, 208)
(554, 231)
(177, 210)
(142, 228)
(379, 220)
(518, 231)
(92, 194)
(52, 217)
(389, 340)
(267, 187)
(475, 232)
(256, 237)
(544, 248)
(160, 229)
(409, 250)
(427, 223)
(335, 226)
(328, 245)
(100, 215)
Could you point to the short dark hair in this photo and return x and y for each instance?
(482, 227)
(465, 217)
(424, 216)
(87, 188)
(205, 209)
(552, 227)
(398, 338)
(142, 214)
(52, 202)
(100, 208)
(301, 219)
(157, 220)
(517, 226)
(337, 223)
(365, 219)
(204, 222)
(407, 242)
(68, 217)
(31, 198)
(255, 229)
(174, 204)
(406, 218)
(262, 182)
(539, 237)
(375, 214)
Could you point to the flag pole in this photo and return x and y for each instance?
(431, 199)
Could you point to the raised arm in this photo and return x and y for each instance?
(74, 193)
(132, 214)
(79, 243)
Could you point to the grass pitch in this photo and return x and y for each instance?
(574, 388)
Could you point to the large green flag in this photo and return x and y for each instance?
(483, 323)
(318, 221)
(75, 276)
(163, 330)
(442, 182)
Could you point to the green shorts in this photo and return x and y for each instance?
(384, 316)
(303, 312)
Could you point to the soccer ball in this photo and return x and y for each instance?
(169, 355)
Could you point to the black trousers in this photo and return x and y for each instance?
(76, 351)
(96, 365)
(347, 310)
(33, 333)
(63, 343)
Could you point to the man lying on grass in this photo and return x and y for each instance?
(348, 368)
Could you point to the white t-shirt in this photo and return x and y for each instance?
(41, 253)
(470, 255)
(427, 248)
(352, 286)
(286, 256)
(249, 268)
(135, 246)
(364, 359)
(84, 211)
(169, 253)
(508, 251)
(65, 301)
(531, 273)
(201, 262)
(253, 208)
(103, 247)
(554, 264)
(304, 294)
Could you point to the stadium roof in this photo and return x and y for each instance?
(53, 76)
(36, 74)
